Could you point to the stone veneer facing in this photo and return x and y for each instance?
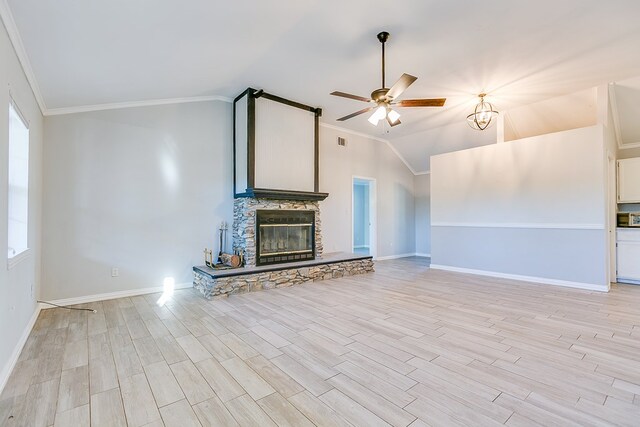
(244, 223)
(225, 286)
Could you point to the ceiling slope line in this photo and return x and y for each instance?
(133, 104)
(375, 138)
(614, 113)
(21, 53)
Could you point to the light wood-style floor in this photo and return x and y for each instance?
(403, 346)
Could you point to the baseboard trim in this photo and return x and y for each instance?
(388, 257)
(11, 363)
(423, 255)
(628, 281)
(518, 277)
(114, 295)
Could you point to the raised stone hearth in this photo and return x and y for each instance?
(219, 283)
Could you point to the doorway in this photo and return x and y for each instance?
(363, 236)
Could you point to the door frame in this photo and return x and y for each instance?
(611, 218)
(373, 234)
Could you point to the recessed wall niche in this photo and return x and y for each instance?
(275, 148)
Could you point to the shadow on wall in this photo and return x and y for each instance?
(403, 236)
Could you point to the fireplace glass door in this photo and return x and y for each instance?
(285, 236)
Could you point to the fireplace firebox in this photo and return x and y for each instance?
(284, 236)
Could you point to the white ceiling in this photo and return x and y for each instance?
(84, 53)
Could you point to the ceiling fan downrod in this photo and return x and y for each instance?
(383, 37)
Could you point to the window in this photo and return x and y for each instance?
(18, 195)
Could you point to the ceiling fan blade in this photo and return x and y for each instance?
(401, 85)
(392, 124)
(436, 102)
(357, 113)
(348, 95)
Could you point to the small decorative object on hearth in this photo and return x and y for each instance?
(208, 258)
(230, 260)
(223, 238)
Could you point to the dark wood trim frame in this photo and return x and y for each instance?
(251, 140)
(250, 191)
(266, 193)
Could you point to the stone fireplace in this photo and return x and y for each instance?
(276, 208)
(263, 222)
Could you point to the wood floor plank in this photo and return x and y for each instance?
(163, 384)
(375, 403)
(74, 388)
(107, 409)
(301, 375)
(283, 412)
(147, 350)
(349, 409)
(390, 392)
(139, 404)
(220, 380)
(179, 414)
(193, 385)
(253, 384)
(193, 348)
(281, 382)
(103, 375)
(40, 404)
(76, 417)
(247, 412)
(317, 411)
(170, 349)
(213, 413)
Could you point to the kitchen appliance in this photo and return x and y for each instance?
(629, 219)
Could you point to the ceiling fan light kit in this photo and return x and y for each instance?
(385, 98)
(483, 115)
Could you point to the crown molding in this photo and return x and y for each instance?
(21, 53)
(132, 104)
(365, 135)
(423, 173)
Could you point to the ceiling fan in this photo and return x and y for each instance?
(386, 98)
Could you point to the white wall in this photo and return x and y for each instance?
(140, 189)
(144, 190)
(20, 286)
(422, 189)
(365, 157)
(533, 207)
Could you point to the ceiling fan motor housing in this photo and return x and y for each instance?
(380, 95)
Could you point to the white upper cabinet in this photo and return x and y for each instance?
(629, 180)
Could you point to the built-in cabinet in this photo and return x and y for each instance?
(628, 239)
(629, 255)
(629, 180)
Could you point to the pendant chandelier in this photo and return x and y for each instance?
(483, 115)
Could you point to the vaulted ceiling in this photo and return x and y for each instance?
(86, 53)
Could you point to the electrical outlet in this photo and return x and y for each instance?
(115, 272)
